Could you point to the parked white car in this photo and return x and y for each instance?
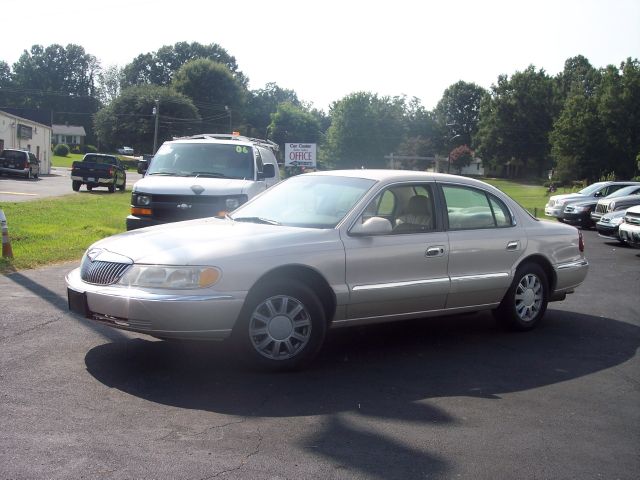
(125, 151)
(327, 250)
(629, 230)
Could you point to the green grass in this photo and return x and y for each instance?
(60, 229)
(531, 197)
(58, 161)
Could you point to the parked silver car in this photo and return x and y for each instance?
(327, 250)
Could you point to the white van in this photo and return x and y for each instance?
(205, 175)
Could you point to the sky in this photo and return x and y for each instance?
(325, 50)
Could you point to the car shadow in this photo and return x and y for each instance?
(382, 371)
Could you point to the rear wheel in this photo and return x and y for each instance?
(282, 326)
(89, 188)
(525, 303)
(112, 188)
(75, 185)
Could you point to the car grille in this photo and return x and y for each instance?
(632, 218)
(602, 207)
(569, 209)
(102, 273)
(173, 208)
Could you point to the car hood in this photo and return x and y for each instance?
(566, 196)
(585, 203)
(626, 200)
(165, 185)
(202, 241)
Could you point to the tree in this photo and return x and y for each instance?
(108, 83)
(619, 111)
(128, 120)
(461, 157)
(579, 143)
(458, 112)
(213, 89)
(262, 103)
(515, 121)
(159, 67)
(59, 79)
(291, 123)
(364, 128)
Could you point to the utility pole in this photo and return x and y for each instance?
(156, 112)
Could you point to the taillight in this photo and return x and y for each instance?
(580, 241)
(111, 171)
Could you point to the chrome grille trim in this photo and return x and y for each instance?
(102, 273)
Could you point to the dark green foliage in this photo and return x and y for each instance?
(61, 150)
(292, 123)
(129, 119)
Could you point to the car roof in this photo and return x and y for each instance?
(381, 175)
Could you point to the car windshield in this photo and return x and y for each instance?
(311, 201)
(623, 192)
(216, 160)
(592, 188)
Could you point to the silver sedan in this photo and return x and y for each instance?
(327, 250)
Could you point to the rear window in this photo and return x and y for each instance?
(100, 159)
(13, 155)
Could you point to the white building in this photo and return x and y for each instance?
(71, 135)
(22, 134)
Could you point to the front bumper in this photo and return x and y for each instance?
(134, 222)
(630, 234)
(553, 212)
(186, 315)
(578, 218)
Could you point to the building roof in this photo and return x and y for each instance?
(69, 130)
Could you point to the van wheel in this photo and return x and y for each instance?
(75, 185)
(525, 303)
(282, 326)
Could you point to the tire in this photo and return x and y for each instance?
(525, 303)
(75, 185)
(112, 188)
(89, 188)
(124, 185)
(281, 327)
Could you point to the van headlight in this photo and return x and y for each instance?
(170, 277)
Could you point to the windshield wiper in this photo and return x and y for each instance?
(266, 221)
(208, 174)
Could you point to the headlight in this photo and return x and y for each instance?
(141, 200)
(175, 278)
(612, 206)
(232, 203)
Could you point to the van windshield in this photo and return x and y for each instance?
(213, 160)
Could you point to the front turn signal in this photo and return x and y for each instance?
(141, 211)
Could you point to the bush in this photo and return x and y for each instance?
(61, 150)
(89, 149)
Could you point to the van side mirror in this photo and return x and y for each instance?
(142, 166)
(268, 170)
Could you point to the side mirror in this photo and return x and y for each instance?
(372, 226)
(142, 166)
(268, 170)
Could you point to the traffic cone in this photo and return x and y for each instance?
(7, 252)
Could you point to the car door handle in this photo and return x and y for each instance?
(513, 245)
(434, 252)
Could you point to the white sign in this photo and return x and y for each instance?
(300, 155)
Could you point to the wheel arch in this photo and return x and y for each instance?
(546, 266)
(305, 275)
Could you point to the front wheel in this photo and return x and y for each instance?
(525, 303)
(282, 326)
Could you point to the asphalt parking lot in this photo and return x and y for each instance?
(440, 398)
